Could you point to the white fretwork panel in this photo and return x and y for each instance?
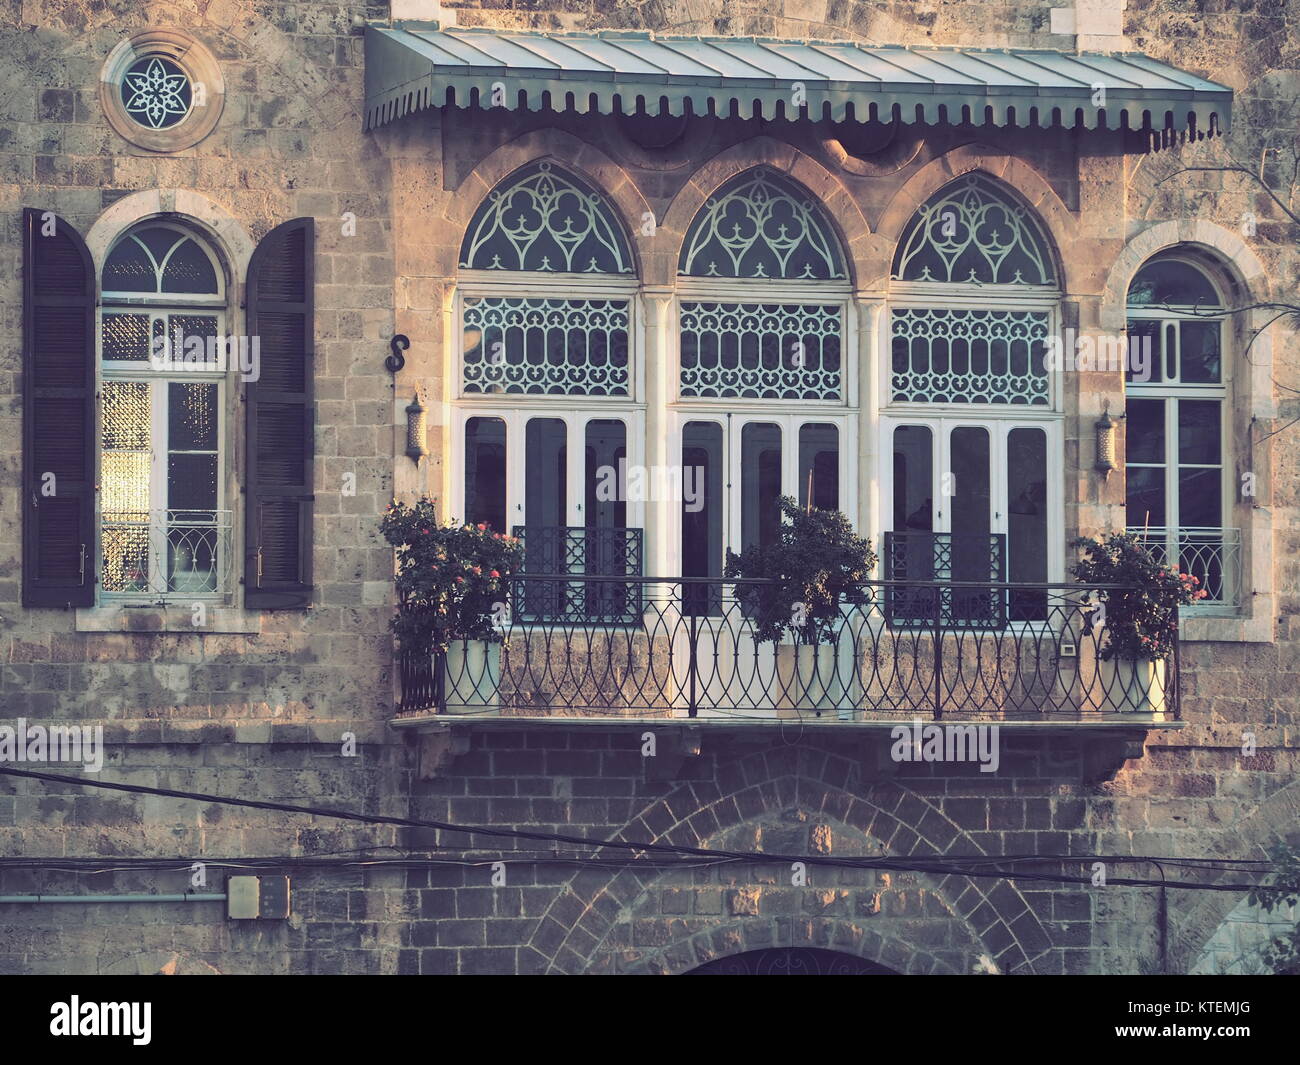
(969, 356)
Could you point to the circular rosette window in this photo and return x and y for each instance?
(162, 90)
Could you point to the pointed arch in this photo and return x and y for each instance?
(974, 230)
(1014, 176)
(761, 225)
(572, 156)
(544, 219)
(839, 209)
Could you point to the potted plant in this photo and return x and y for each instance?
(816, 564)
(451, 600)
(1139, 617)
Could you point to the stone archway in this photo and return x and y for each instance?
(791, 961)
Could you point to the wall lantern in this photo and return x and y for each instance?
(1106, 426)
(416, 430)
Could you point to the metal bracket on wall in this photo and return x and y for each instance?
(398, 344)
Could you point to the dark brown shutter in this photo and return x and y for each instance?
(278, 518)
(58, 502)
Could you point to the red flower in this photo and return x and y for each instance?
(494, 573)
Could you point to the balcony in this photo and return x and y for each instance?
(1213, 556)
(165, 555)
(685, 649)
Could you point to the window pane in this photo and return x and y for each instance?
(538, 346)
(1146, 497)
(125, 462)
(760, 350)
(1168, 281)
(819, 466)
(1027, 520)
(970, 486)
(1200, 356)
(485, 472)
(969, 356)
(125, 337)
(1198, 431)
(189, 335)
(913, 478)
(1200, 494)
(1144, 431)
(702, 514)
(192, 482)
(191, 417)
(545, 474)
(189, 269)
(606, 459)
(760, 484)
(1145, 351)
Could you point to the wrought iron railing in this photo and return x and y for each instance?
(671, 662)
(955, 565)
(587, 554)
(167, 553)
(1212, 556)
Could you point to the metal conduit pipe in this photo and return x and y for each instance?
(43, 899)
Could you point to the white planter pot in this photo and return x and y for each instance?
(1134, 686)
(472, 677)
(808, 679)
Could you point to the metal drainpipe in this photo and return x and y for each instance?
(43, 899)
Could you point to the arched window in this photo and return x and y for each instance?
(164, 357)
(763, 302)
(547, 387)
(1176, 387)
(971, 428)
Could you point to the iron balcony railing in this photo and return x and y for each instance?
(164, 554)
(1038, 656)
(1212, 556)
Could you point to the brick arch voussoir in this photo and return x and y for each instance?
(780, 778)
(1275, 820)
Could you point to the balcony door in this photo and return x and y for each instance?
(736, 468)
(969, 500)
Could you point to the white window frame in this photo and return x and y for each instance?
(1168, 393)
(160, 306)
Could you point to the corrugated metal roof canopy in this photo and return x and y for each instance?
(417, 65)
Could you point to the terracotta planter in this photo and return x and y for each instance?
(472, 677)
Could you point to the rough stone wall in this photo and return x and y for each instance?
(263, 715)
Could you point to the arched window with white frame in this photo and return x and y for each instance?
(165, 529)
(548, 390)
(765, 372)
(1176, 423)
(971, 422)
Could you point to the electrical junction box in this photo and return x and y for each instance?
(253, 897)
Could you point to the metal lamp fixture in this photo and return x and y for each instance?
(1106, 443)
(416, 430)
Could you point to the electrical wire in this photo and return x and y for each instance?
(973, 866)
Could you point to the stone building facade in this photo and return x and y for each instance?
(288, 691)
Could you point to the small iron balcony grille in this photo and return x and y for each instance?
(585, 553)
(165, 554)
(1212, 556)
(931, 568)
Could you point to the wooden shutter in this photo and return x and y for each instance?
(58, 502)
(279, 441)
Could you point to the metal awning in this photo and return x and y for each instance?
(412, 65)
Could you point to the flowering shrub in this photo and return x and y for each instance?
(1141, 617)
(816, 563)
(448, 577)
